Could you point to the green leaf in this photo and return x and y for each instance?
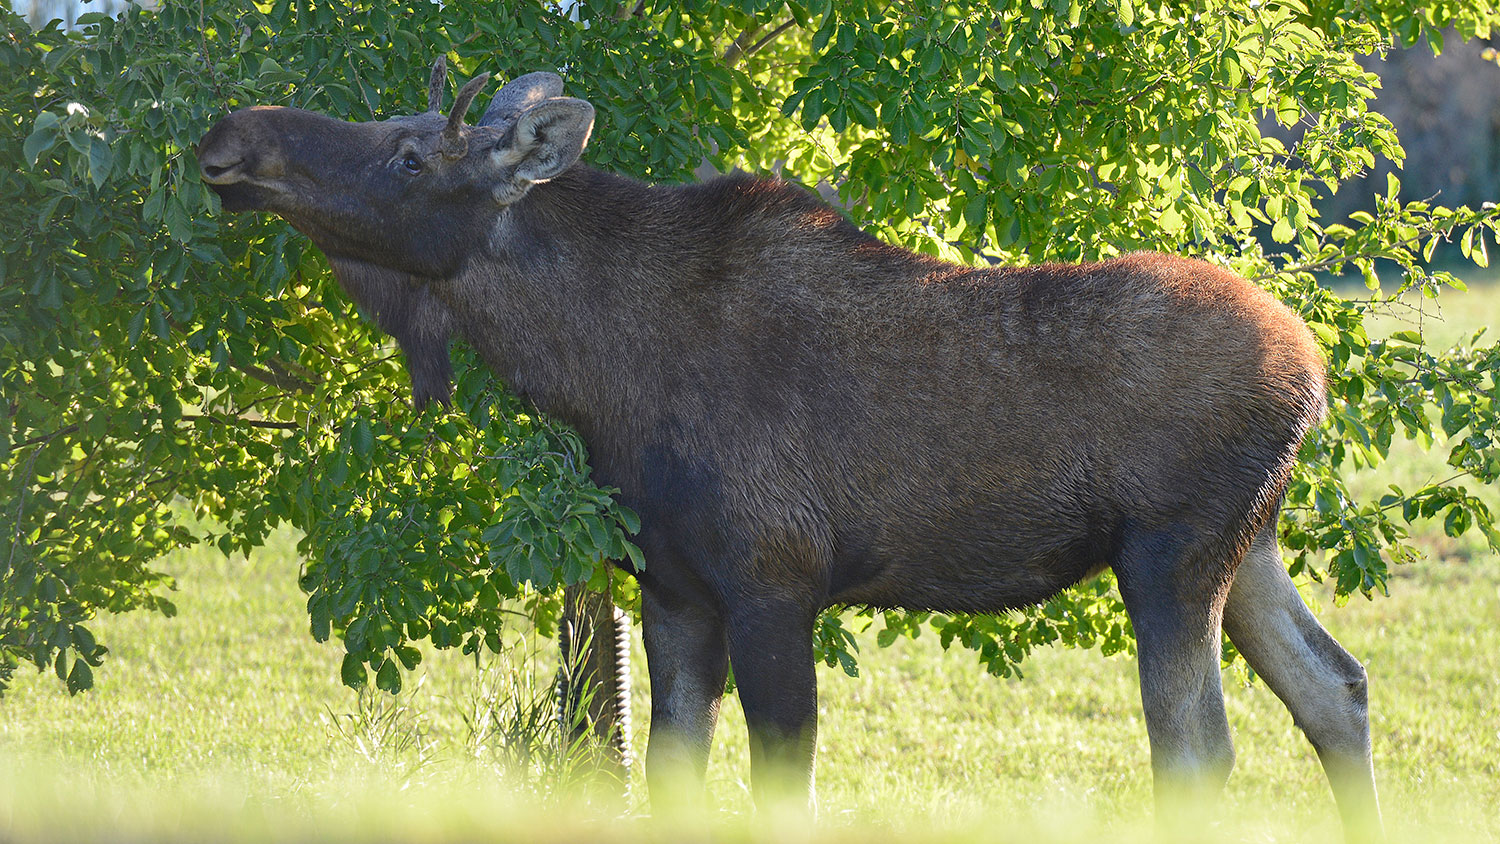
(931, 61)
(363, 438)
(43, 136)
(1288, 110)
(353, 672)
(179, 226)
(637, 560)
(159, 325)
(136, 325)
(80, 678)
(410, 657)
(151, 209)
(101, 159)
(319, 626)
(1170, 220)
(1283, 232)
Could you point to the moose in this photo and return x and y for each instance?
(805, 416)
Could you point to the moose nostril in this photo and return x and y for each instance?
(220, 172)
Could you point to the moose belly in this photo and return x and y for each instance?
(975, 561)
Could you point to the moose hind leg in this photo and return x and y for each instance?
(1321, 684)
(687, 657)
(1174, 596)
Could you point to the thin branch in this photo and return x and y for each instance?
(1308, 508)
(1442, 228)
(282, 379)
(240, 420)
(279, 373)
(41, 438)
(208, 61)
(755, 48)
(372, 363)
(188, 417)
(1146, 91)
(10, 561)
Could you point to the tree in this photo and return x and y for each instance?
(165, 366)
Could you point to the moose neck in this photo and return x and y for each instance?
(570, 292)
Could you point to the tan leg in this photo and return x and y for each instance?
(1321, 684)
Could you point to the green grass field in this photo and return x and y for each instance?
(229, 723)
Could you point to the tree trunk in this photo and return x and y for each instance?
(593, 682)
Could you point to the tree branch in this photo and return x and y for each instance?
(188, 417)
(240, 420)
(277, 376)
(208, 61)
(737, 50)
(41, 438)
(755, 48)
(1433, 228)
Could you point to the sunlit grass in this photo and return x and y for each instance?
(231, 701)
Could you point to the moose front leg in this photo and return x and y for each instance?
(770, 646)
(687, 658)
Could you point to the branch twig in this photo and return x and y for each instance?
(41, 438)
(208, 61)
(733, 55)
(283, 379)
(241, 420)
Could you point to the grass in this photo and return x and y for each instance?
(229, 723)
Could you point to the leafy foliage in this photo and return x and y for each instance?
(166, 367)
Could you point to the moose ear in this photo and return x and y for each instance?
(548, 138)
(519, 94)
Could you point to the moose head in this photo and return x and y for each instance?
(397, 204)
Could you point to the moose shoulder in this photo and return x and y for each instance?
(806, 416)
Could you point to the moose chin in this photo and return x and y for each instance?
(804, 416)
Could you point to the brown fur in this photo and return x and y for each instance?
(805, 416)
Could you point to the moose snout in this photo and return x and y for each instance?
(236, 149)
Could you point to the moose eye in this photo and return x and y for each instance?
(411, 164)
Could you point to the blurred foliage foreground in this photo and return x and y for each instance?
(156, 352)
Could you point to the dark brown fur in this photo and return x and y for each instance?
(891, 429)
(805, 416)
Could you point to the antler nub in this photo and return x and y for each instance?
(454, 145)
(437, 83)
